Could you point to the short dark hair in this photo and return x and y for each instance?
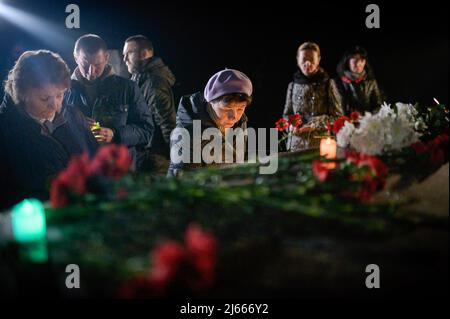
(90, 43)
(35, 69)
(343, 64)
(357, 50)
(234, 97)
(142, 41)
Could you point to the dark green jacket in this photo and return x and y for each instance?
(156, 81)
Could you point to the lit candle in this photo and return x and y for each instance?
(28, 221)
(328, 150)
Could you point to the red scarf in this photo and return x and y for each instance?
(346, 79)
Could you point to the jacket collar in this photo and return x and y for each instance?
(320, 76)
(349, 77)
(45, 127)
(76, 75)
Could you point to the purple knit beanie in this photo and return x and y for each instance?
(225, 82)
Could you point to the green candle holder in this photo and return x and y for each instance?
(28, 221)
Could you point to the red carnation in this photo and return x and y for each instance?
(420, 148)
(339, 123)
(373, 176)
(167, 258)
(378, 167)
(191, 265)
(352, 156)
(202, 248)
(282, 125)
(442, 138)
(320, 170)
(295, 120)
(368, 188)
(354, 116)
(112, 161)
(76, 173)
(59, 193)
(72, 179)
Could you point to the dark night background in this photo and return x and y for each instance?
(409, 53)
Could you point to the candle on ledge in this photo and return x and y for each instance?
(328, 149)
(28, 221)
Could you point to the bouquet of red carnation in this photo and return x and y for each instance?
(287, 127)
(366, 174)
(84, 175)
(177, 267)
(433, 152)
(335, 127)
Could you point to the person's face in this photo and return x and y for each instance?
(91, 66)
(132, 56)
(308, 61)
(356, 64)
(229, 113)
(44, 102)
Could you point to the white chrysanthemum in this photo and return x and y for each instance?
(420, 125)
(402, 134)
(406, 111)
(385, 110)
(384, 131)
(344, 134)
(369, 137)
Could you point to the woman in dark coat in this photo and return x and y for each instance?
(356, 83)
(38, 134)
(220, 107)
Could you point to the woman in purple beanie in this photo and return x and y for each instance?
(221, 106)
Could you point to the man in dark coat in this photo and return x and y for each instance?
(114, 102)
(155, 80)
(220, 107)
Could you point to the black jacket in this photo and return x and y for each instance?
(117, 104)
(30, 155)
(156, 81)
(194, 107)
(361, 94)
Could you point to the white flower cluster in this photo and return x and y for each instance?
(390, 129)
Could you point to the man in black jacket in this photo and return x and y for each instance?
(155, 80)
(114, 102)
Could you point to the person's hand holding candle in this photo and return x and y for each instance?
(103, 134)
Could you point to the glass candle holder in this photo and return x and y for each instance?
(28, 221)
(328, 149)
